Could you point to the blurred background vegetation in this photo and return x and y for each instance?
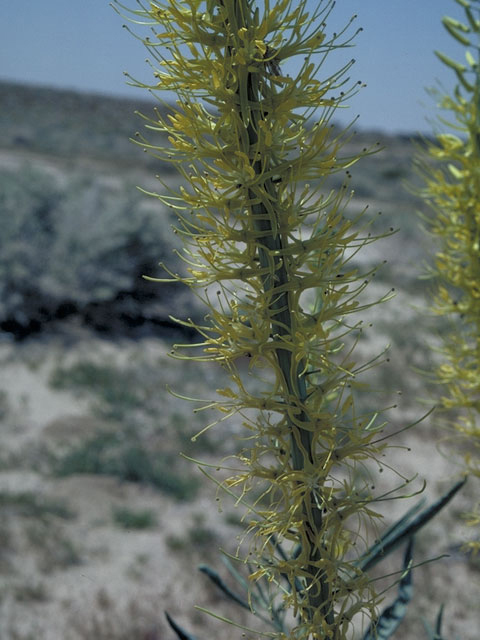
(101, 521)
(77, 235)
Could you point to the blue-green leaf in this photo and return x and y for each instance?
(181, 633)
(392, 616)
(438, 625)
(234, 572)
(405, 528)
(218, 582)
(434, 634)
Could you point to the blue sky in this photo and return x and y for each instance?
(81, 44)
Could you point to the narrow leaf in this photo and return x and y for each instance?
(181, 633)
(377, 551)
(434, 634)
(438, 625)
(405, 528)
(218, 582)
(392, 616)
(233, 571)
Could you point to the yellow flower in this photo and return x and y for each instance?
(258, 224)
(452, 188)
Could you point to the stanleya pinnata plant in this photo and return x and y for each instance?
(271, 251)
(450, 166)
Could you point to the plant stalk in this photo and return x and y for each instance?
(271, 252)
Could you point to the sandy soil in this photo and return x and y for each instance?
(87, 577)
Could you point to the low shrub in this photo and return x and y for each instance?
(134, 519)
(79, 246)
(124, 456)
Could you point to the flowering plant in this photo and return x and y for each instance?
(450, 166)
(271, 251)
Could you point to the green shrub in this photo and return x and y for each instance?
(122, 455)
(134, 519)
(30, 504)
(80, 246)
(114, 388)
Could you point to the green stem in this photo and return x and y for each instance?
(271, 253)
(281, 325)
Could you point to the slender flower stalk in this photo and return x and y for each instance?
(271, 251)
(451, 171)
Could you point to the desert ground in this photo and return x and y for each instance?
(103, 523)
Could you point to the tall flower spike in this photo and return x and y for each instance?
(255, 147)
(450, 167)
